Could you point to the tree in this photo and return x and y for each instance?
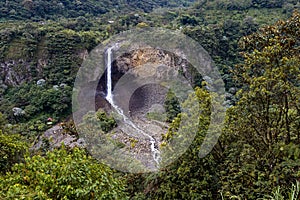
(262, 132)
(269, 99)
(2, 120)
(61, 175)
(11, 150)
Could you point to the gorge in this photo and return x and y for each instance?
(126, 120)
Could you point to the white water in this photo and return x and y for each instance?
(109, 98)
(109, 82)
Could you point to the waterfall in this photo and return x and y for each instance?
(108, 77)
(109, 98)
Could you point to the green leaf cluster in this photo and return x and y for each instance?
(61, 175)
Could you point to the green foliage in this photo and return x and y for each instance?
(29, 9)
(107, 123)
(36, 99)
(69, 128)
(45, 9)
(270, 78)
(267, 3)
(234, 5)
(156, 116)
(11, 149)
(277, 194)
(52, 50)
(171, 105)
(3, 120)
(188, 20)
(245, 4)
(255, 154)
(61, 175)
(258, 150)
(262, 132)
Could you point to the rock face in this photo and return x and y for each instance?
(18, 71)
(141, 57)
(135, 62)
(145, 97)
(55, 137)
(15, 72)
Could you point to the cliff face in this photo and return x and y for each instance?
(141, 57)
(136, 63)
(141, 100)
(147, 62)
(14, 72)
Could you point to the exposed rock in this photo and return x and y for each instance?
(141, 57)
(141, 98)
(83, 54)
(63, 85)
(227, 103)
(141, 149)
(15, 72)
(228, 96)
(208, 80)
(232, 90)
(145, 97)
(18, 111)
(55, 87)
(19, 71)
(157, 108)
(162, 64)
(55, 137)
(41, 82)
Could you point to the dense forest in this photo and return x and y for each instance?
(37, 10)
(255, 44)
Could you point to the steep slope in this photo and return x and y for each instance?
(48, 9)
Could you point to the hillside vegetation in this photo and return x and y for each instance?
(254, 44)
(48, 9)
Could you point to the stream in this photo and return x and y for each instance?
(109, 97)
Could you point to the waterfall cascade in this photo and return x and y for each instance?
(109, 98)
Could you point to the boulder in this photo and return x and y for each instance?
(41, 82)
(18, 111)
